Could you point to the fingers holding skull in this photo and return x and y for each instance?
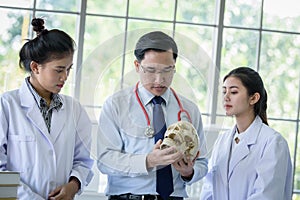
(184, 168)
(162, 156)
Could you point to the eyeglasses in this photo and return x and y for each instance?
(151, 71)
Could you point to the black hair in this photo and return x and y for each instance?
(156, 41)
(46, 46)
(254, 84)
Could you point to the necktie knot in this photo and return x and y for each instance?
(157, 100)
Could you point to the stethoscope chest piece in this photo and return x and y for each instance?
(149, 132)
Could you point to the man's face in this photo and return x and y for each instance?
(156, 71)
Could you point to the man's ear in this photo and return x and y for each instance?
(254, 98)
(34, 67)
(136, 65)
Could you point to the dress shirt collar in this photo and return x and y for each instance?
(56, 101)
(147, 96)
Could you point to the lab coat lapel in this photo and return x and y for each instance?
(38, 121)
(33, 112)
(58, 122)
(243, 149)
(224, 155)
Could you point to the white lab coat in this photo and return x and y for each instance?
(260, 167)
(44, 160)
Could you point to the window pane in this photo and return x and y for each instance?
(282, 15)
(242, 13)
(239, 49)
(191, 81)
(196, 11)
(65, 5)
(192, 70)
(116, 7)
(64, 22)
(296, 197)
(101, 73)
(159, 9)
(95, 33)
(200, 35)
(148, 26)
(280, 71)
(130, 75)
(225, 122)
(195, 63)
(19, 3)
(205, 118)
(14, 28)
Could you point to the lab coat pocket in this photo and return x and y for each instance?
(21, 150)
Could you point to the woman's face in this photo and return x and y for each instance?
(50, 77)
(156, 71)
(236, 100)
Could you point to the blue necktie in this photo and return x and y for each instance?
(164, 179)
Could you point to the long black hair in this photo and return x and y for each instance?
(254, 84)
(46, 46)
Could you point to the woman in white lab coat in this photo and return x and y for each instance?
(252, 160)
(43, 135)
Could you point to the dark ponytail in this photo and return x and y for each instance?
(46, 46)
(254, 84)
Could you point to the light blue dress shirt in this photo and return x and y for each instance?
(123, 146)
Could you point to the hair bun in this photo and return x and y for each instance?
(38, 25)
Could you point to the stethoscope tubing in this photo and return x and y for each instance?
(181, 110)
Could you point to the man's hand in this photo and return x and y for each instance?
(162, 157)
(186, 169)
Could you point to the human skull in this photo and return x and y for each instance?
(184, 137)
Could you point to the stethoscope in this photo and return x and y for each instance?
(149, 132)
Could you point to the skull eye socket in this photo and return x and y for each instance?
(177, 139)
(189, 142)
(171, 135)
(188, 139)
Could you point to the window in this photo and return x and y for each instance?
(213, 36)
